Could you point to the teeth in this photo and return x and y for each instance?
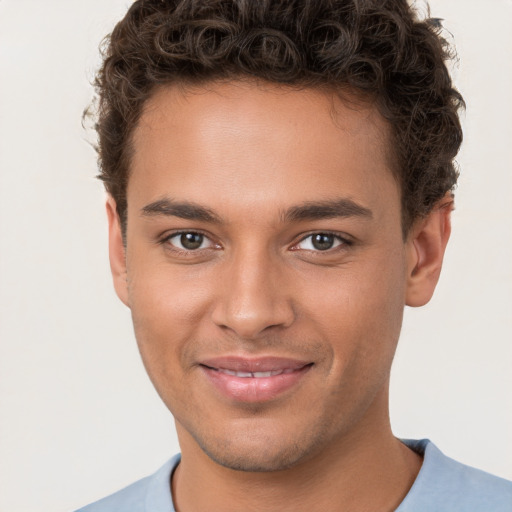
(262, 374)
(256, 375)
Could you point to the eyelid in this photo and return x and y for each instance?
(166, 237)
(345, 241)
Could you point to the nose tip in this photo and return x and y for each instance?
(253, 301)
(249, 321)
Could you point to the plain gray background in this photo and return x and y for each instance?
(79, 418)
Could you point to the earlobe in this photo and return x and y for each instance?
(116, 251)
(425, 252)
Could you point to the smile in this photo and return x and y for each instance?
(256, 375)
(254, 380)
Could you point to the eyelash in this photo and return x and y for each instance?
(166, 240)
(343, 242)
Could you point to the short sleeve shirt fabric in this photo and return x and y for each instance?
(442, 485)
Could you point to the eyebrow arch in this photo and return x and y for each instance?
(312, 210)
(326, 210)
(183, 209)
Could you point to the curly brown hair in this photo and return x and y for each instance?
(377, 48)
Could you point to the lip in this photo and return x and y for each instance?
(253, 380)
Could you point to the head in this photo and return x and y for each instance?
(372, 50)
(279, 175)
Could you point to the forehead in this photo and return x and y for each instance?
(271, 144)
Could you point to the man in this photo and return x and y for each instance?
(279, 179)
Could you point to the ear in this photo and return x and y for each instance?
(116, 251)
(426, 245)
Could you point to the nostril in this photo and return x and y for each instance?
(253, 299)
(253, 323)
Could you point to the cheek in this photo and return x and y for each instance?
(359, 309)
(168, 309)
(162, 294)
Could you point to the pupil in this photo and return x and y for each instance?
(322, 242)
(191, 240)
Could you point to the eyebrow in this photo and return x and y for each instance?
(183, 209)
(312, 210)
(329, 209)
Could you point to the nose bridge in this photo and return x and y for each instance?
(253, 297)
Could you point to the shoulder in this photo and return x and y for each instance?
(444, 484)
(150, 494)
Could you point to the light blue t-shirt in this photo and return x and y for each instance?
(442, 485)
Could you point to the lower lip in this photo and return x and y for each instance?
(254, 389)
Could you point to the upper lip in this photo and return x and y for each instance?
(255, 364)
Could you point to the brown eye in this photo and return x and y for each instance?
(322, 242)
(189, 241)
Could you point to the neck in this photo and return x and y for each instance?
(367, 470)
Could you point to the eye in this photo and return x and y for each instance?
(189, 241)
(320, 242)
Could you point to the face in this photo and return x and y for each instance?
(265, 269)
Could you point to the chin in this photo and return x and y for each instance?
(254, 462)
(253, 451)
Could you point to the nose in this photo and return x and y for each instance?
(254, 296)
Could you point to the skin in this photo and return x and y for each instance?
(249, 153)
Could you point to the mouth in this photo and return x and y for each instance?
(254, 380)
(255, 375)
